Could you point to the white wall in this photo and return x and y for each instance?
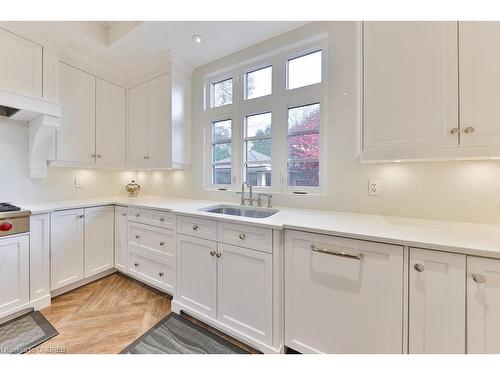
(16, 186)
(462, 191)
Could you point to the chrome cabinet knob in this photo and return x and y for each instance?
(454, 131)
(478, 278)
(212, 253)
(161, 274)
(219, 254)
(137, 236)
(99, 156)
(469, 130)
(419, 267)
(145, 157)
(92, 156)
(195, 227)
(124, 214)
(242, 236)
(162, 219)
(81, 216)
(137, 215)
(162, 243)
(136, 264)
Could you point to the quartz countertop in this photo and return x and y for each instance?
(459, 237)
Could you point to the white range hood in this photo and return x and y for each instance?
(25, 108)
(43, 118)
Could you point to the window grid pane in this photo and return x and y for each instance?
(303, 145)
(259, 83)
(222, 93)
(258, 147)
(221, 152)
(304, 70)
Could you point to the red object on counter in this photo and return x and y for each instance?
(5, 226)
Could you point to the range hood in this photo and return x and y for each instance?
(43, 118)
(25, 108)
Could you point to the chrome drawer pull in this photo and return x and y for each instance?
(137, 236)
(124, 214)
(162, 243)
(136, 264)
(419, 267)
(195, 227)
(162, 220)
(336, 253)
(242, 236)
(161, 274)
(212, 253)
(219, 254)
(137, 215)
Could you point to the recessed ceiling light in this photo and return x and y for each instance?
(198, 39)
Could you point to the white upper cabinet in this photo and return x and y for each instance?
(479, 83)
(483, 305)
(158, 121)
(110, 123)
(21, 65)
(436, 302)
(76, 135)
(410, 85)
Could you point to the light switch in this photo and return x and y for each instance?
(78, 183)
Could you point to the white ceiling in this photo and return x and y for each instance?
(125, 45)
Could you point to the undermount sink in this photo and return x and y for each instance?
(257, 213)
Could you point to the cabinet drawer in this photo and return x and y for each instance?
(152, 241)
(152, 272)
(246, 236)
(197, 227)
(157, 218)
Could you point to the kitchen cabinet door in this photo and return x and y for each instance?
(483, 305)
(21, 65)
(76, 135)
(14, 272)
(479, 83)
(160, 142)
(121, 238)
(138, 134)
(67, 247)
(99, 239)
(110, 123)
(245, 291)
(197, 274)
(39, 256)
(342, 304)
(437, 302)
(410, 85)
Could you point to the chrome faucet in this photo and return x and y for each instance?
(250, 196)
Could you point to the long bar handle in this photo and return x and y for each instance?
(336, 253)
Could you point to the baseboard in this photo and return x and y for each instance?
(79, 283)
(37, 304)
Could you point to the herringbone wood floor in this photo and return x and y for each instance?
(107, 315)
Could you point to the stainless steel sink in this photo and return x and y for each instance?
(258, 213)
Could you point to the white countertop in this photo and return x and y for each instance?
(466, 238)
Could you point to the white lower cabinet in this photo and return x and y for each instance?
(245, 291)
(342, 295)
(99, 239)
(121, 238)
(14, 273)
(483, 305)
(67, 247)
(197, 274)
(39, 256)
(436, 302)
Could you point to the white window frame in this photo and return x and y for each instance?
(245, 141)
(278, 103)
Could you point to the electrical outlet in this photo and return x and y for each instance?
(373, 188)
(78, 183)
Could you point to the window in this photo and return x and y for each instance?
(222, 93)
(221, 152)
(259, 83)
(303, 145)
(258, 149)
(263, 122)
(304, 70)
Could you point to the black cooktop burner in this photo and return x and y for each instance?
(6, 207)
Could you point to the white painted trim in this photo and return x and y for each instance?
(79, 283)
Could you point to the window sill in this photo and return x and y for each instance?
(257, 191)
